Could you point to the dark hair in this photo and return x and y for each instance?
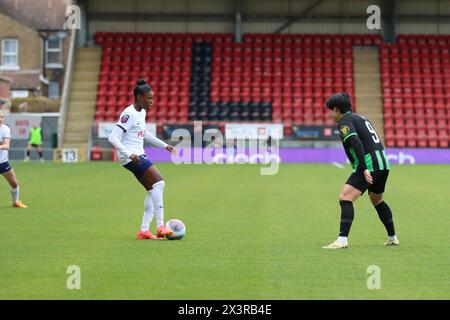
(341, 101)
(141, 88)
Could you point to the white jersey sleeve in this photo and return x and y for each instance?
(149, 137)
(126, 120)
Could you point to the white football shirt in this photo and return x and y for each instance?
(132, 122)
(5, 132)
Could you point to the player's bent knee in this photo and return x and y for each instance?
(376, 199)
(343, 196)
(159, 184)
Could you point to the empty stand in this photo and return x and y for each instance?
(163, 60)
(292, 74)
(282, 78)
(415, 75)
(278, 78)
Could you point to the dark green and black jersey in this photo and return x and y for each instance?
(353, 124)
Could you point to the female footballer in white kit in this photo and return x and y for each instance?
(128, 138)
(5, 168)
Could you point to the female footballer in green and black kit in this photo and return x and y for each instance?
(370, 168)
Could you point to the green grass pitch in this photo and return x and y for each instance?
(248, 236)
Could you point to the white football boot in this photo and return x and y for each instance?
(394, 242)
(337, 245)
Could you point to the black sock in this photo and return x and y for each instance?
(347, 214)
(385, 214)
(40, 154)
(28, 153)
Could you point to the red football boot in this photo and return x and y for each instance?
(163, 231)
(145, 235)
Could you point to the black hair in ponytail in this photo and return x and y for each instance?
(142, 87)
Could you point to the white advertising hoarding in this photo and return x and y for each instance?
(254, 131)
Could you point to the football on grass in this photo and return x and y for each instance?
(177, 227)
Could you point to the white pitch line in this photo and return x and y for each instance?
(340, 166)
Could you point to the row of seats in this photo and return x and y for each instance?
(417, 82)
(423, 40)
(419, 123)
(274, 91)
(423, 137)
(414, 49)
(106, 37)
(408, 92)
(416, 73)
(407, 67)
(315, 39)
(118, 48)
(103, 38)
(278, 77)
(303, 70)
(286, 51)
(402, 114)
(286, 64)
(231, 112)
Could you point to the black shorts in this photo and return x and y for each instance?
(379, 177)
(5, 167)
(35, 145)
(139, 168)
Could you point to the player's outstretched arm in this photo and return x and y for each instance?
(150, 138)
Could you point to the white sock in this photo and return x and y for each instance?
(394, 237)
(343, 239)
(15, 194)
(149, 212)
(157, 197)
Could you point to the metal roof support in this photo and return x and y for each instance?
(238, 21)
(305, 12)
(388, 20)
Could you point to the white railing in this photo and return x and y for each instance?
(66, 88)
